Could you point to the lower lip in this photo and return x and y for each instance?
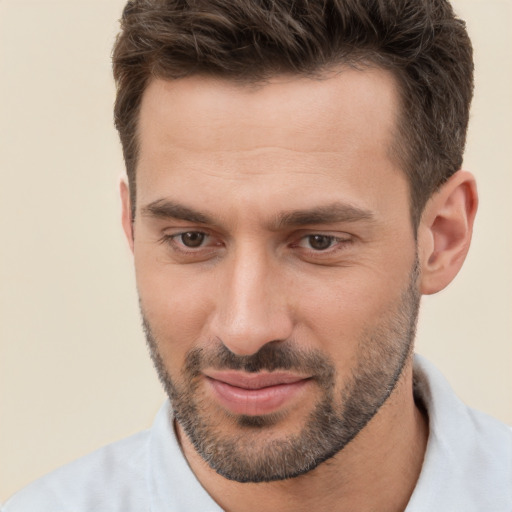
(255, 402)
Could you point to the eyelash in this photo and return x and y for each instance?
(171, 240)
(335, 242)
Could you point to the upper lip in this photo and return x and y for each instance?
(246, 380)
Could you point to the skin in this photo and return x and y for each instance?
(242, 157)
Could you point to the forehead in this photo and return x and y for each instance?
(339, 109)
(289, 143)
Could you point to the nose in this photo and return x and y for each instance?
(253, 304)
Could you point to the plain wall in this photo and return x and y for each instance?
(74, 370)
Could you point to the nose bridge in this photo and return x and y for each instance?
(252, 310)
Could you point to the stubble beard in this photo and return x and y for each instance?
(254, 454)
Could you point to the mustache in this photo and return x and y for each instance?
(277, 355)
(273, 356)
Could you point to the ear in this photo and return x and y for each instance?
(445, 230)
(126, 215)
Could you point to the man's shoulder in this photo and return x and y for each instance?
(147, 470)
(117, 472)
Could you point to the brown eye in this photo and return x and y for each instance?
(192, 239)
(320, 242)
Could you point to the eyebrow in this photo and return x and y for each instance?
(166, 209)
(325, 214)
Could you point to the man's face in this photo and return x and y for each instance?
(276, 263)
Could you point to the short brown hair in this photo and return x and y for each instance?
(421, 42)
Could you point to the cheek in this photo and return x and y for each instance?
(176, 306)
(340, 315)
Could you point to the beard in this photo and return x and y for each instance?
(253, 453)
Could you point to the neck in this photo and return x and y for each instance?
(378, 470)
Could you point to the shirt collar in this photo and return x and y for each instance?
(173, 485)
(468, 461)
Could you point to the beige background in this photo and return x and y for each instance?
(74, 373)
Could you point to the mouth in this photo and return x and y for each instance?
(257, 394)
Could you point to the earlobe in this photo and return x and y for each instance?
(445, 230)
(126, 215)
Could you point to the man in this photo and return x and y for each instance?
(294, 186)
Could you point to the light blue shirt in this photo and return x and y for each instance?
(467, 466)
